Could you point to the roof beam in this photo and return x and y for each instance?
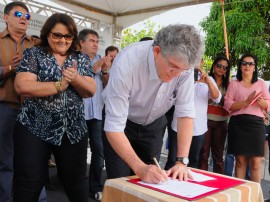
(87, 7)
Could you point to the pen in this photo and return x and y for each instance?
(156, 162)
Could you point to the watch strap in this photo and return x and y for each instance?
(183, 160)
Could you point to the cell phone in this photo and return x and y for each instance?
(196, 74)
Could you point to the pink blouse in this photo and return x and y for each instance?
(238, 92)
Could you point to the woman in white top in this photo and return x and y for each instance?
(204, 89)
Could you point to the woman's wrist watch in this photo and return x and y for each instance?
(183, 160)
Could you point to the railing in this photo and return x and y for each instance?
(81, 20)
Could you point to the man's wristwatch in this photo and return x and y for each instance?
(57, 85)
(183, 160)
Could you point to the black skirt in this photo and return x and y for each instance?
(246, 135)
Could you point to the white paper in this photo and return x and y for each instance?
(197, 177)
(181, 188)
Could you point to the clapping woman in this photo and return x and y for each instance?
(246, 99)
(54, 77)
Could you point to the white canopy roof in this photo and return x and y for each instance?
(109, 17)
(124, 13)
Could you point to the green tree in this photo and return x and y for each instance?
(130, 35)
(248, 30)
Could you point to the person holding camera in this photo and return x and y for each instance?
(204, 88)
(217, 118)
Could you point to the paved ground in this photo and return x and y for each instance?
(58, 195)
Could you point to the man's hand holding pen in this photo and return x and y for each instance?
(151, 174)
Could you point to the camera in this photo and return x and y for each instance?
(196, 74)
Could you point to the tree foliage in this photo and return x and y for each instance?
(248, 31)
(130, 35)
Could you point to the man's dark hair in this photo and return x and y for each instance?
(146, 38)
(84, 33)
(110, 49)
(11, 5)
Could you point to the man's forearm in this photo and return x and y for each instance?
(184, 136)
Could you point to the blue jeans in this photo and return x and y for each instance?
(229, 166)
(97, 159)
(8, 117)
(42, 196)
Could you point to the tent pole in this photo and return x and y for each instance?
(225, 29)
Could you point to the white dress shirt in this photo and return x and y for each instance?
(135, 91)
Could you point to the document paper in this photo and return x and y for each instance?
(182, 188)
(197, 177)
(202, 185)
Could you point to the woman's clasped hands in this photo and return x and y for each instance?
(70, 73)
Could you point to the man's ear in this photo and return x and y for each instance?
(5, 17)
(156, 50)
(81, 42)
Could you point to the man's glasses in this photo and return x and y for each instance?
(220, 66)
(174, 69)
(19, 14)
(244, 63)
(56, 35)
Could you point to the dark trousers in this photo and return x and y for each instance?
(194, 151)
(97, 155)
(215, 139)
(146, 142)
(172, 149)
(172, 141)
(31, 166)
(8, 117)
